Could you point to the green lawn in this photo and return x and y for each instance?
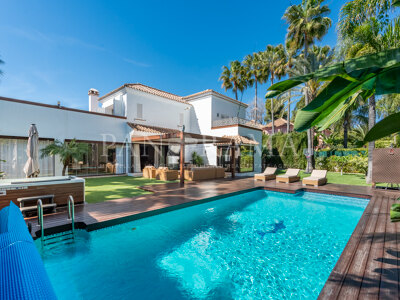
(333, 177)
(108, 188)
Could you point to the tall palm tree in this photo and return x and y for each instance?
(234, 77)
(257, 73)
(307, 22)
(369, 32)
(275, 59)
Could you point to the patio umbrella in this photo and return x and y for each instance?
(31, 168)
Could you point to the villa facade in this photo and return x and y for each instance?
(132, 110)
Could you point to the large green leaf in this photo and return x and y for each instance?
(352, 70)
(396, 3)
(324, 109)
(386, 127)
(333, 101)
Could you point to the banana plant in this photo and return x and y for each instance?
(377, 73)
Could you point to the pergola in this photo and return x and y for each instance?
(184, 138)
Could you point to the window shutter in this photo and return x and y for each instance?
(139, 111)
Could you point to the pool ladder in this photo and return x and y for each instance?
(71, 216)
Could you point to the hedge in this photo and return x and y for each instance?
(285, 150)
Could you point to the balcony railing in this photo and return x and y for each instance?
(236, 121)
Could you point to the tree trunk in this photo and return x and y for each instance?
(272, 109)
(371, 145)
(256, 104)
(288, 113)
(309, 167)
(345, 130)
(64, 169)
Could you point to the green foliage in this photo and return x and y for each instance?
(386, 127)
(285, 150)
(347, 164)
(197, 159)
(235, 77)
(307, 22)
(67, 151)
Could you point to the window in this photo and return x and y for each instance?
(13, 152)
(139, 111)
(100, 159)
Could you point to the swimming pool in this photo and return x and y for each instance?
(255, 245)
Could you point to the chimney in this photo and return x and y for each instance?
(93, 100)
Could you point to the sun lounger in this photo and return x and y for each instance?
(317, 178)
(292, 175)
(269, 174)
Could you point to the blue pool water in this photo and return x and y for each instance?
(256, 245)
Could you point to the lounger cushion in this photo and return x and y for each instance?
(318, 174)
(269, 170)
(292, 172)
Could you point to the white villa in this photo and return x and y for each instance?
(132, 110)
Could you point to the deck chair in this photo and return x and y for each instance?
(317, 178)
(291, 175)
(269, 174)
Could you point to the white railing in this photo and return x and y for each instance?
(236, 121)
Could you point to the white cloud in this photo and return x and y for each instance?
(136, 63)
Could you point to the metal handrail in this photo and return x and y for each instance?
(71, 212)
(40, 218)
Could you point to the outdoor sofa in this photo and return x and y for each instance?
(166, 174)
(204, 173)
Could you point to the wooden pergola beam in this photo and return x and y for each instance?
(182, 160)
(233, 159)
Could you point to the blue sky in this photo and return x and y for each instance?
(58, 50)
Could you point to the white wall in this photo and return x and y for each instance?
(16, 118)
(201, 118)
(225, 109)
(157, 111)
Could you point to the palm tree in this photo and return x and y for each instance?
(67, 151)
(257, 73)
(234, 77)
(307, 22)
(370, 32)
(278, 107)
(275, 59)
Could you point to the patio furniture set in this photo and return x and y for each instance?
(191, 173)
(317, 178)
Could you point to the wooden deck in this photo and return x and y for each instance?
(367, 269)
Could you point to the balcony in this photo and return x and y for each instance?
(236, 121)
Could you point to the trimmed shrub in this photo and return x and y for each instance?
(285, 150)
(348, 164)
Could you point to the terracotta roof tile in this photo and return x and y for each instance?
(277, 123)
(170, 96)
(239, 140)
(152, 129)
